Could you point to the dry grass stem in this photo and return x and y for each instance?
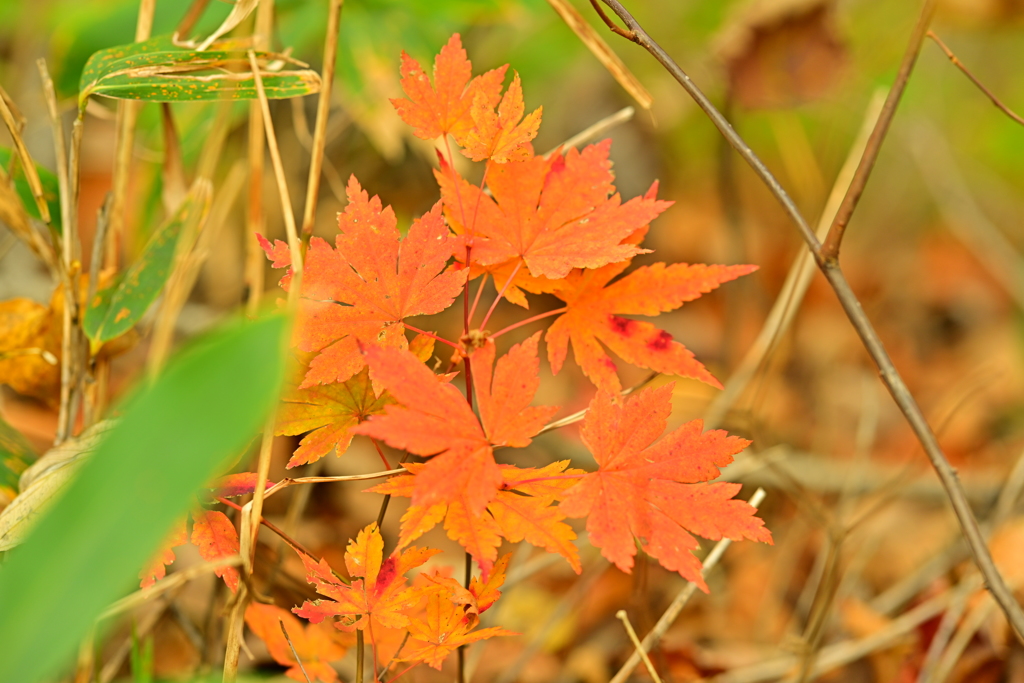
(323, 110)
(28, 166)
(176, 579)
(624, 618)
(591, 132)
(604, 53)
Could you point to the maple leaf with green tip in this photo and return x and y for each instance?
(326, 414)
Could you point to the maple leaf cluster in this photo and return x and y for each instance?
(535, 224)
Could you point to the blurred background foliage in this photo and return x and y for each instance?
(933, 252)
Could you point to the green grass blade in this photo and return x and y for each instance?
(51, 193)
(115, 309)
(15, 455)
(173, 437)
(157, 70)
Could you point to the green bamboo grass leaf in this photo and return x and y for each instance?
(158, 70)
(173, 437)
(115, 309)
(51, 192)
(15, 455)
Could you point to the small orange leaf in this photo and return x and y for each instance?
(215, 536)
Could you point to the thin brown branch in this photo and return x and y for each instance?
(833, 241)
(974, 79)
(865, 330)
(295, 654)
(323, 110)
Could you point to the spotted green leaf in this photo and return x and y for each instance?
(115, 309)
(158, 70)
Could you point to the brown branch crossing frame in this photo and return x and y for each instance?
(827, 258)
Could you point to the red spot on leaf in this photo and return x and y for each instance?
(660, 342)
(623, 326)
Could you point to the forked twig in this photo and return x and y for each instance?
(851, 305)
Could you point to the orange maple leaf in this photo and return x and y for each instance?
(594, 317)
(521, 510)
(215, 536)
(315, 645)
(452, 614)
(650, 493)
(361, 291)
(157, 569)
(433, 419)
(444, 107)
(502, 135)
(378, 591)
(554, 213)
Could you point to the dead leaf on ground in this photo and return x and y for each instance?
(782, 53)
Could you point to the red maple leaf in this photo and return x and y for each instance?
(433, 419)
(240, 484)
(554, 213)
(444, 107)
(360, 291)
(522, 510)
(215, 536)
(650, 493)
(595, 310)
(315, 645)
(378, 591)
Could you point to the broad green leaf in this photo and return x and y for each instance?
(15, 455)
(173, 437)
(51, 192)
(157, 70)
(115, 309)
